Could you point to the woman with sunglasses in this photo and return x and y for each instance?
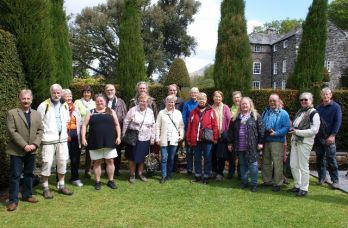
(305, 126)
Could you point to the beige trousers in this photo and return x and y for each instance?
(299, 163)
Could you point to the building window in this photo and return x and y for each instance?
(274, 48)
(256, 84)
(275, 68)
(284, 66)
(285, 44)
(283, 84)
(256, 68)
(257, 48)
(274, 85)
(329, 66)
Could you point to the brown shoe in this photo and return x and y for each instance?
(47, 194)
(31, 200)
(11, 207)
(65, 191)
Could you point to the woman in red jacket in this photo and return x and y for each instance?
(201, 133)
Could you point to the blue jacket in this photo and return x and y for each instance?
(278, 120)
(332, 115)
(188, 107)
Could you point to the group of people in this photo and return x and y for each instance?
(217, 132)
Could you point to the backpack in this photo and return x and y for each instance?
(323, 133)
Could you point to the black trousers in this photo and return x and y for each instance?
(74, 155)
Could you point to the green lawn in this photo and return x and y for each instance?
(179, 203)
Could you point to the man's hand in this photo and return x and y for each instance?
(230, 147)
(27, 148)
(272, 132)
(330, 140)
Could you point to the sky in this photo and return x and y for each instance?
(205, 26)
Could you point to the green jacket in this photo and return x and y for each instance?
(20, 134)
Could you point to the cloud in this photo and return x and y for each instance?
(251, 24)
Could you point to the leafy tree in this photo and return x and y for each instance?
(29, 21)
(131, 61)
(178, 74)
(280, 26)
(95, 35)
(233, 55)
(338, 13)
(60, 36)
(309, 67)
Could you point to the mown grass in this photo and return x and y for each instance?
(179, 203)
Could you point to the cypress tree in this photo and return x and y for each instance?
(309, 67)
(178, 74)
(60, 37)
(29, 22)
(131, 59)
(233, 61)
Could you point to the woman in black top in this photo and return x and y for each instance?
(104, 135)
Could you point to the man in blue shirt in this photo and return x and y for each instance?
(331, 113)
(277, 124)
(188, 107)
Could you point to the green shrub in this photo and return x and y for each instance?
(341, 97)
(11, 81)
(178, 74)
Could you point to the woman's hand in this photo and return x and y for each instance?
(84, 142)
(259, 146)
(230, 147)
(118, 141)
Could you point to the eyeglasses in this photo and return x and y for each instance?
(272, 100)
(303, 99)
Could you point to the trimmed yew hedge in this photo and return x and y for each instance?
(11, 81)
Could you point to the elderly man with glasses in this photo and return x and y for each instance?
(277, 124)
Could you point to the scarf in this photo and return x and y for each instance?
(244, 117)
(219, 114)
(87, 104)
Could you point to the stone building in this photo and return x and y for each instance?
(274, 56)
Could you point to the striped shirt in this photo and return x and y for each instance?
(242, 143)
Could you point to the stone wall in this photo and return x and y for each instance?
(336, 53)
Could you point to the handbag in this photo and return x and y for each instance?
(130, 137)
(207, 133)
(152, 163)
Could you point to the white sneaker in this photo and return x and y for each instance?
(77, 183)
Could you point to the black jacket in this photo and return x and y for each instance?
(255, 135)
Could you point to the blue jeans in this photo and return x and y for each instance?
(205, 149)
(247, 168)
(326, 156)
(189, 158)
(167, 155)
(16, 168)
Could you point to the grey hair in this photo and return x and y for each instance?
(308, 94)
(234, 93)
(109, 85)
(170, 98)
(66, 91)
(203, 95)
(325, 90)
(56, 86)
(25, 91)
(100, 95)
(194, 88)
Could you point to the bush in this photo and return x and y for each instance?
(11, 81)
(341, 97)
(178, 74)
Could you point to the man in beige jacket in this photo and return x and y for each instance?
(25, 127)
